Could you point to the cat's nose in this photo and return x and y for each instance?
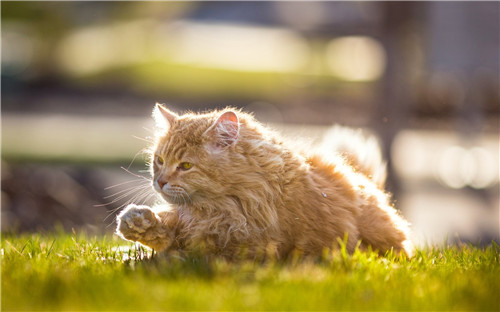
(161, 183)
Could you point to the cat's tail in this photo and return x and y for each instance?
(360, 150)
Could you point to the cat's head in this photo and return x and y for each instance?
(189, 161)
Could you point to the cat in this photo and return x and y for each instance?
(228, 185)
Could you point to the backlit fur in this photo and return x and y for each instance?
(247, 192)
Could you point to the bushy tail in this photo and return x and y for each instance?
(360, 150)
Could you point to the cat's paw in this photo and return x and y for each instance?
(134, 221)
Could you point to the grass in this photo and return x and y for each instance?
(70, 272)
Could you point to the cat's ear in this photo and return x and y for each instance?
(163, 117)
(226, 129)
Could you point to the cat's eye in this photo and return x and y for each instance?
(159, 160)
(185, 166)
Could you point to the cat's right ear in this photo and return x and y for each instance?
(163, 118)
(224, 131)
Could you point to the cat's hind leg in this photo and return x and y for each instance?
(143, 225)
(382, 228)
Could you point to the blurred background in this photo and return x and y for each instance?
(79, 81)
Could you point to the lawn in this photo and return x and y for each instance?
(75, 272)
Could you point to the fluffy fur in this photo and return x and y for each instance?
(246, 191)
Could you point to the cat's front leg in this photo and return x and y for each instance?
(143, 225)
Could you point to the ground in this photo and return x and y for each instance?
(75, 272)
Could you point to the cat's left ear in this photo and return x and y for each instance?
(163, 117)
(226, 129)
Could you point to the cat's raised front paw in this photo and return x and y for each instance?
(134, 221)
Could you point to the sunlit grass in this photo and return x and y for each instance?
(69, 272)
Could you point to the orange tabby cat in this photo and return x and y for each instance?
(230, 185)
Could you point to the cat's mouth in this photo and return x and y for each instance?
(174, 194)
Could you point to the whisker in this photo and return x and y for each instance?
(142, 183)
(146, 139)
(142, 195)
(135, 191)
(146, 151)
(123, 183)
(148, 130)
(189, 197)
(181, 195)
(138, 195)
(145, 185)
(146, 199)
(134, 174)
(140, 198)
(124, 194)
(109, 215)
